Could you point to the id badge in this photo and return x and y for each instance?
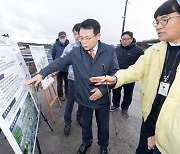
(163, 88)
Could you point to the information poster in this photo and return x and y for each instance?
(23, 66)
(19, 114)
(41, 61)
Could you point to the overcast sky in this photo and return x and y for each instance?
(39, 21)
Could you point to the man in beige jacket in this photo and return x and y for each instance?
(159, 71)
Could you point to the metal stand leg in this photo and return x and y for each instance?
(45, 119)
(37, 141)
(38, 146)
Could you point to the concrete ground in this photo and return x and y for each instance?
(125, 142)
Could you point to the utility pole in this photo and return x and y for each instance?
(124, 17)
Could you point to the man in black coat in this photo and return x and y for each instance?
(127, 54)
(91, 58)
(57, 50)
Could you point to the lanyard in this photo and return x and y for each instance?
(167, 75)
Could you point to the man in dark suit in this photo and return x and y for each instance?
(91, 58)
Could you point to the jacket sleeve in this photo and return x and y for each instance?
(57, 64)
(133, 73)
(66, 50)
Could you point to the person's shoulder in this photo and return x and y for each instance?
(69, 46)
(160, 44)
(106, 46)
(74, 47)
(157, 47)
(56, 43)
(138, 48)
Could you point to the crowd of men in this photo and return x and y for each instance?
(94, 64)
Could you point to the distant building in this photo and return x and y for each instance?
(6, 35)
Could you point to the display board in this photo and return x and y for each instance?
(19, 114)
(41, 61)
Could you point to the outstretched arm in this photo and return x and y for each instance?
(37, 79)
(104, 80)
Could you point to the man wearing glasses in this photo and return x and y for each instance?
(91, 58)
(159, 70)
(127, 54)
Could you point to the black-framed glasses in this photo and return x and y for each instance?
(125, 39)
(86, 38)
(163, 20)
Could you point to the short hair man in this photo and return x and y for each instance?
(70, 95)
(127, 54)
(91, 58)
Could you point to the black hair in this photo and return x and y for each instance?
(76, 27)
(91, 24)
(127, 33)
(167, 7)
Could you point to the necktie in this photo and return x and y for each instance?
(92, 53)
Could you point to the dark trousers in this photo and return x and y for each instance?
(102, 119)
(145, 133)
(62, 76)
(70, 104)
(128, 92)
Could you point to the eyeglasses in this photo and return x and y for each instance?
(125, 39)
(163, 20)
(86, 38)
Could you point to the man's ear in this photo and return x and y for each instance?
(99, 35)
